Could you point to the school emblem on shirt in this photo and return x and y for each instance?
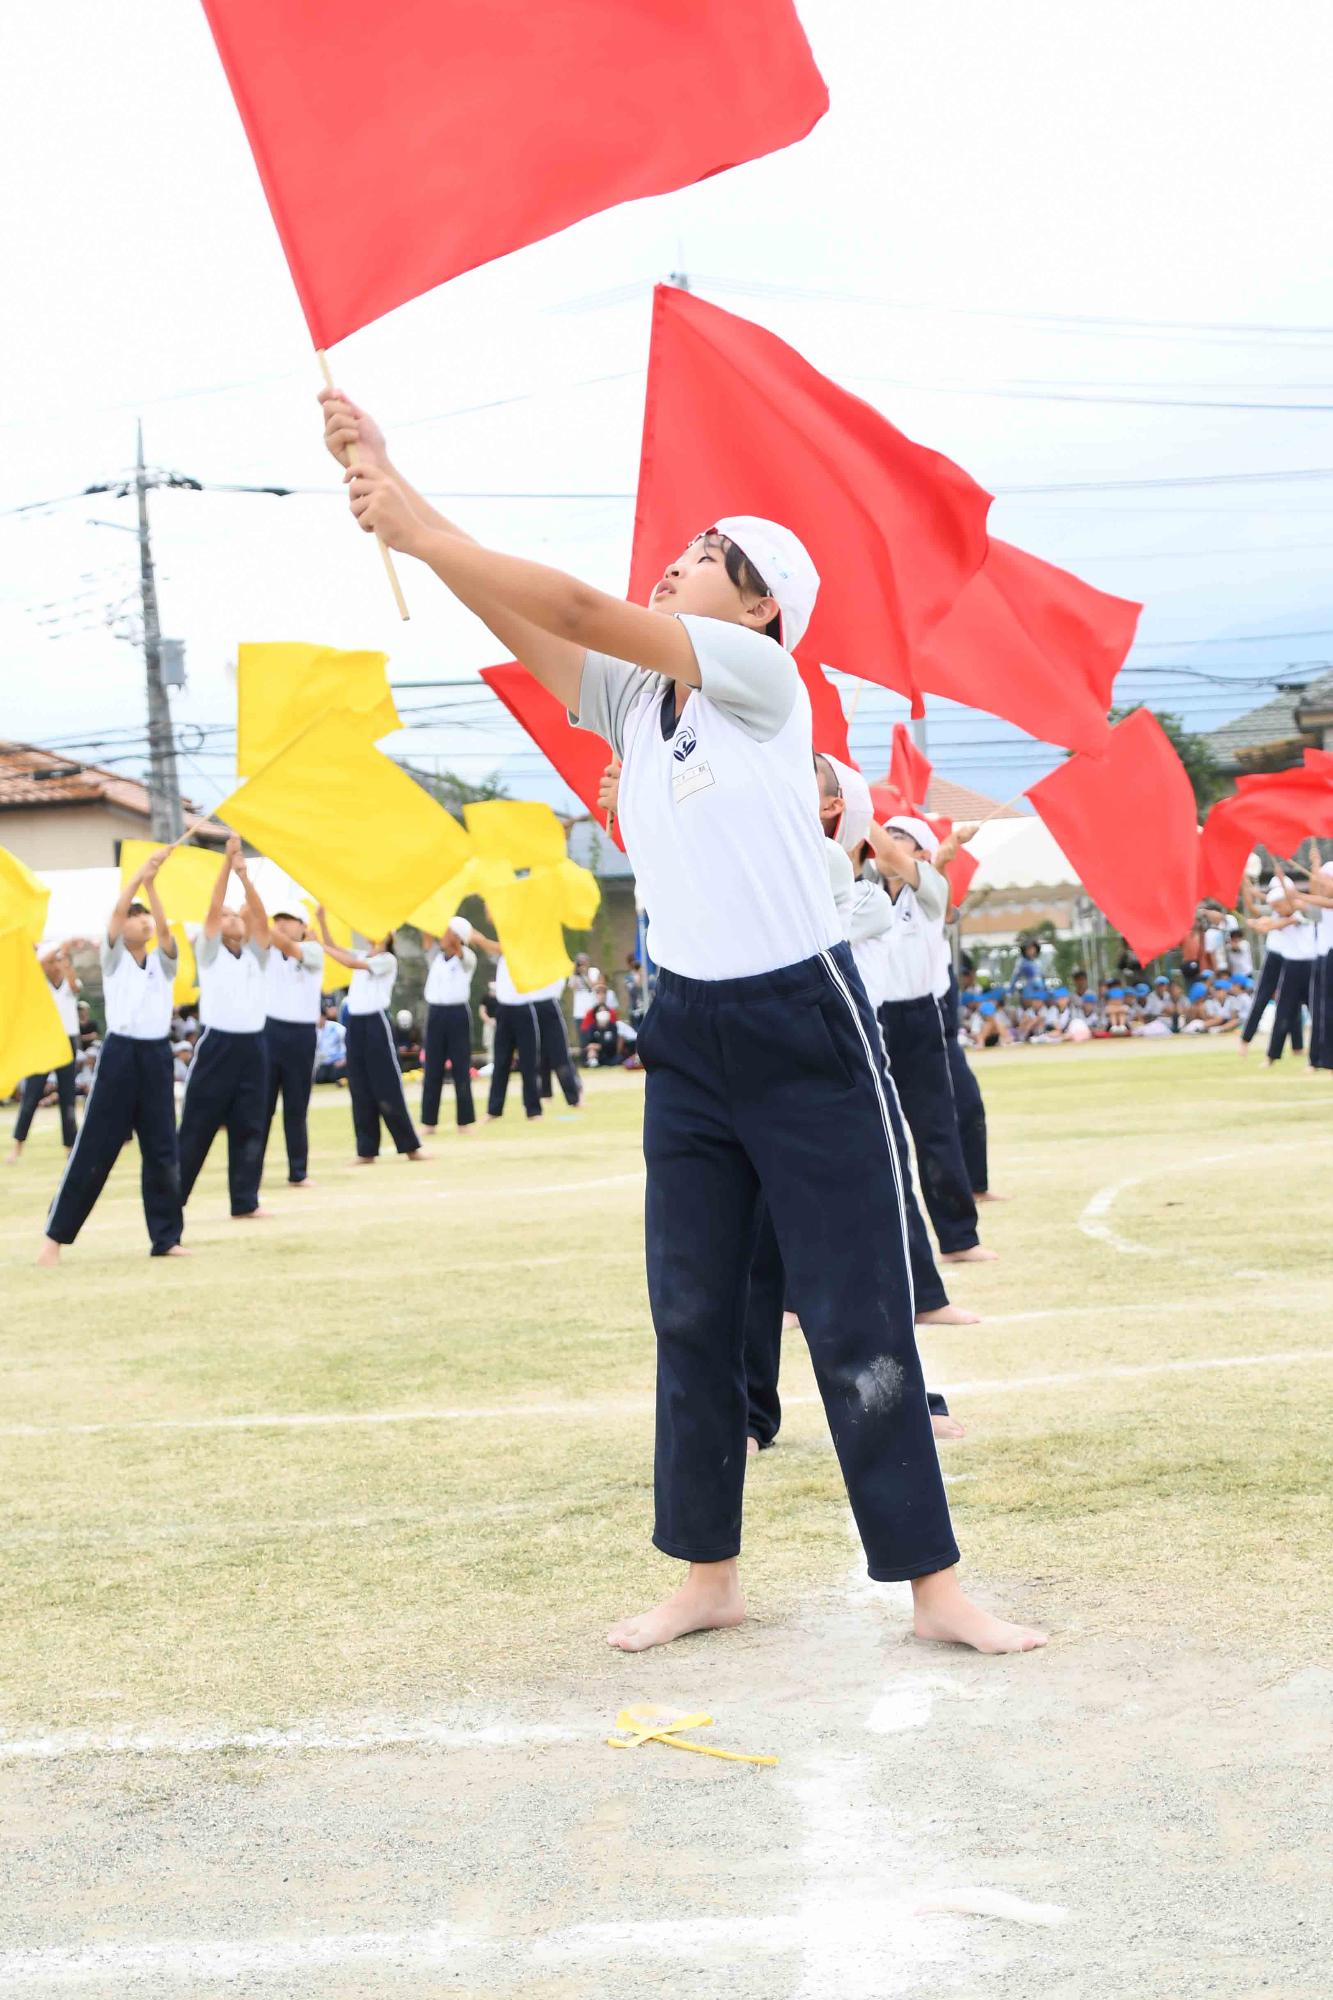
(684, 744)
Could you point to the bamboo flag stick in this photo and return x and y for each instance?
(1008, 806)
(354, 458)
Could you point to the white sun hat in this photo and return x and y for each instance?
(461, 928)
(915, 829)
(857, 810)
(784, 563)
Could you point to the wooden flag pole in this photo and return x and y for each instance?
(997, 810)
(354, 458)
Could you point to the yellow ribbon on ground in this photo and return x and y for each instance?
(185, 881)
(23, 899)
(349, 824)
(32, 1036)
(282, 687)
(523, 832)
(654, 1725)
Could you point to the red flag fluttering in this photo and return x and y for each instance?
(1275, 809)
(1128, 824)
(579, 757)
(909, 769)
(403, 143)
(1034, 644)
(827, 715)
(736, 422)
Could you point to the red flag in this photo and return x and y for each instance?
(827, 715)
(1278, 809)
(1034, 644)
(736, 422)
(909, 768)
(404, 142)
(578, 756)
(1128, 823)
(957, 873)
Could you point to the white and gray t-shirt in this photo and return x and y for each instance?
(719, 806)
(137, 998)
(292, 986)
(449, 978)
(868, 932)
(912, 956)
(67, 1006)
(370, 992)
(231, 985)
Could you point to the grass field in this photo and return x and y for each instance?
(389, 1456)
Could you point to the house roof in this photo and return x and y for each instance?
(30, 777)
(1273, 728)
(946, 800)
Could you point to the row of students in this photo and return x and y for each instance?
(761, 1043)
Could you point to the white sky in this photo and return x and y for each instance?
(981, 167)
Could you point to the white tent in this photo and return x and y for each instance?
(1019, 854)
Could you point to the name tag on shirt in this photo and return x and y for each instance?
(684, 783)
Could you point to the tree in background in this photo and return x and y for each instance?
(1194, 752)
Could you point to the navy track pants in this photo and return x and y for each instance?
(749, 1082)
(132, 1092)
(1321, 1012)
(919, 1061)
(1269, 974)
(516, 1029)
(448, 1040)
(34, 1088)
(227, 1086)
(1293, 990)
(968, 1102)
(291, 1071)
(553, 1052)
(375, 1083)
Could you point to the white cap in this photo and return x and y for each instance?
(404, 1017)
(461, 929)
(784, 563)
(857, 809)
(915, 829)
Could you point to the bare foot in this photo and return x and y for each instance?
(254, 1215)
(752, 1447)
(178, 1250)
(494, 1117)
(790, 1322)
(301, 1184)
(49, 1254)
(1243, 1048)
(946, 1427)
(430, 1130)
(978, 1254)
(987, 1194)
(709, 1599)
(949, 1316)
(420, 1154)
(15, 1154)
(365, 1159)
(942, 1613)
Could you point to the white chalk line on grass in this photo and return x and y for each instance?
(1090, 1220)
(637, 1405)
(367, 1733)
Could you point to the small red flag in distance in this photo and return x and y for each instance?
(909, 769)
(737, 422)
(404, 142)
(1128, 823)
(1277, 810)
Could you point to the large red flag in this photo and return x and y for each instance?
(578, 756)
(736, 422)
(1128, 823)
(402, 142)
(909, 768)
(1278, 809)
(1032, 643)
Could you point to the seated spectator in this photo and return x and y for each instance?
(406, 1041)
(606, 1044)
(182, 1053)
(331, 1048)
(1078, 983)
(1117, 1011)
(991, 1028)
(1028, 973)
(634, 990)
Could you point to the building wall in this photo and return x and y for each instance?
(69, 836)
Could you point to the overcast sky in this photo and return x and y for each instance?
(1083, 250)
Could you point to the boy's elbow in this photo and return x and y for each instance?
(577, 610)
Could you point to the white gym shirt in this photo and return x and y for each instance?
(370, 992)
(292, 985)
(231, 985)
(137, 998)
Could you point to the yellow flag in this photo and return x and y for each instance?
(23, 899)
(349, 824)
(336, 976)
(523, 832)
(185, 881)
(527, 923)
(579, 897)
(477, 877)
(282, 688)
(32, 1039)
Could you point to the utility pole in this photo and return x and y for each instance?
(164, 790)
